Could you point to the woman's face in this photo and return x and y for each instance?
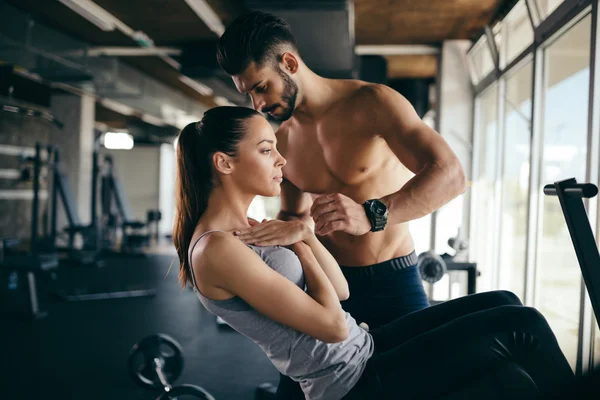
(258, 167)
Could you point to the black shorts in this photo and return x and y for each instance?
(383, 292)
(379, 294)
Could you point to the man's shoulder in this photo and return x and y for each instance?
(360, 95)
(366, 93)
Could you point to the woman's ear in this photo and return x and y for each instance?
(223, 163)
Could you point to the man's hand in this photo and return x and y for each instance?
(275, 233)
(336, 212)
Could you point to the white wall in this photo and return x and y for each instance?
(138, 170)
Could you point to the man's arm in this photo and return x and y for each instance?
(295, 204)
(439, 176)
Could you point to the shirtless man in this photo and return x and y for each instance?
(360, 163)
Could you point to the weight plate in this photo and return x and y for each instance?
(186, 392)
(431, 266)
(142, 355)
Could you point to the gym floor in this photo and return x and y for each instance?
(80, 349)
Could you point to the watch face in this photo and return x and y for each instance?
(379, 208)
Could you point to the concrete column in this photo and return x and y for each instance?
(76, 142)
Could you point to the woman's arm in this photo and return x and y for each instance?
(283, 233)
(329, 266)
(228, 264)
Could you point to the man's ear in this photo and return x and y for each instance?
(223, 163)
(289, 62)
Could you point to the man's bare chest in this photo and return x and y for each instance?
(327, 162)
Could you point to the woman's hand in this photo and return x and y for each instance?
(275, 233)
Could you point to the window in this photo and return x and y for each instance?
(597, 346)
(483, 189)
(546, 7)
(565, 132)
(519, 33)
(515, 179)
(481, 60)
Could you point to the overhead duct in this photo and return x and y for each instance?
(58, 58)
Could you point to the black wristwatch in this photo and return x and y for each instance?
(377, 212)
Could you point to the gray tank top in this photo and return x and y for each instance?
(325, 371)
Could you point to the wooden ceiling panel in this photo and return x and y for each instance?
(412, 66)
(165, 21)
(228, 10)
(161, 71)
(418, 21)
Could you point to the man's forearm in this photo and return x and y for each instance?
(287, 216)
(426, 192)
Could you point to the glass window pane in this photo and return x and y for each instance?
(566, 89)
(449, 222)
(547, 6)
(483, 187)
(515, 180)
(420, 230)
(597, 347)
(481, 58)
(519, 33)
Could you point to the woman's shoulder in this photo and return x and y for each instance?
(214, 244)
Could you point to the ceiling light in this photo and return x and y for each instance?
(207, 15)
(117, 107)
(197, 86)
(93, 13)
(118, 141)
(222, 101)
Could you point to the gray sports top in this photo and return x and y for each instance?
(325, 371)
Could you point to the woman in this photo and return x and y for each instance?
(285, 295)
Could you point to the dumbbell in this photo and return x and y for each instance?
(431, 266)
(155, 362)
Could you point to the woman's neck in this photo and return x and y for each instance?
(225, 212)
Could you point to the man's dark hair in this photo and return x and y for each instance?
(256, 36)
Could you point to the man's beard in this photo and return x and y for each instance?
(288, 98)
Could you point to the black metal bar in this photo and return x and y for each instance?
(533, 18)
(55, 181)
(562, 15)
(36, 197)
(494, 76)
(471, 269)
(95, 175)
(581, 235)
(492, 47)
(581, 190)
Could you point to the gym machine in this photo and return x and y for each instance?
(117, 213)
(433, 267)
(19, 273)
(90, 252)
(155, 362)
(570, 195)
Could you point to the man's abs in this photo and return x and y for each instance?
(372, 248)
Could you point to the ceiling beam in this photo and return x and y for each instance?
(395, 50)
